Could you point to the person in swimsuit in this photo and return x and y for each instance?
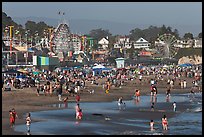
(28, 122)
(137, 94)
(164, 123)
(14, 115)
(11, 118)
(174, 106)
(151, 125)
(79, 114)
(77, 98)
(152, 106)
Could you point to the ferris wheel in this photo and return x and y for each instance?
(168, 41)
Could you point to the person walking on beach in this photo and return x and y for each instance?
(140, 78)
(184, 84)
(13, 115)
(164, 123)
(38, 89)
(181, 83)
(77, 98)
(107, 86)
(137, 94)
(121, 104)
(11, 118)
(28, 122)
(152, 106)
(174, 106)
(168, 90)
(65, 101)
(77, 108)
(59, 89)
(172, 83)
(151, 125)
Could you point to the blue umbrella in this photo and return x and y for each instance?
(21, 76)
(185, 65)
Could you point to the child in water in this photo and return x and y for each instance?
(174, 106)
(152, 106)
(28, 122)
(137, 94)
(79, 114)
(151, 125)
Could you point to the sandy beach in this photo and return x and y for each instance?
(26, 100)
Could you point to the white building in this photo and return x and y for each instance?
(184, 43)
(104, 43)
(141, 43)
(198, 43)
(122, 42)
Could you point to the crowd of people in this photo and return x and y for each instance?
(73, 82)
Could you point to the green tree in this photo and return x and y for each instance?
(176, 34)
(136, 34)
(98, 34)
(200, 35)
(188, 35)
(163, 30)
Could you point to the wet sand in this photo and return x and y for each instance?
(26, 100)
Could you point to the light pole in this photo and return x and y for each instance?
(11, 39)
(50, 38)
(26, 55)
(6, 32)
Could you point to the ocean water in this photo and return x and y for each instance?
(105, 118)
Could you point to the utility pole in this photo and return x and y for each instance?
(50, 32)
(10, 27)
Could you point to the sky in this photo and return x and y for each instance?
(124, 12)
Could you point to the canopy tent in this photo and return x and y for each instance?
(22, 71)
(20, 76)
(185, 65)
(165, 66)
(98, 67)
(12, 71)
(36, 72)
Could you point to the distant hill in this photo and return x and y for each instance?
(84, 26)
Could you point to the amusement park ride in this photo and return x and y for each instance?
(168, 48)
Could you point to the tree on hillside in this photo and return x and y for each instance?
(163, 30)
(200, 35)
(136, 34)
(41, 26)
(188, 35)
(31, 25)
(176, 34)
(7, 21)
(98, 34)
(112, 40)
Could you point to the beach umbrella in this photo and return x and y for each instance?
(98, 67)
(185, 65)
(36, 72)
(20, 76)
(22, 71)
(165, 66)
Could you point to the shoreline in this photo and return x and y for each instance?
(19, 100)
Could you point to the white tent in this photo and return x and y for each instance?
(98, 67)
